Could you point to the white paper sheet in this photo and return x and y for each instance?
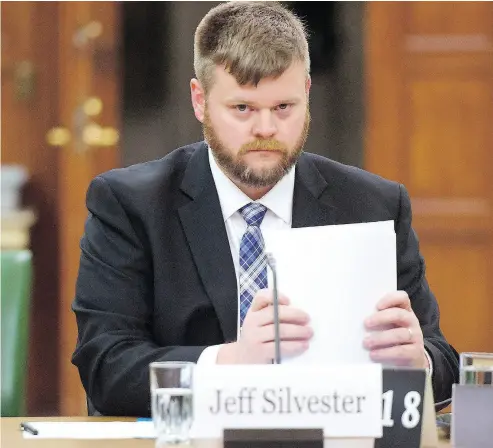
(92, 430)
(336, 274)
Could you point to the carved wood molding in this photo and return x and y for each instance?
(448, 43)
(451, 206)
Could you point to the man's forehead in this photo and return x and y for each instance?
(291, 83)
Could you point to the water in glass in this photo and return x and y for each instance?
(173, 412)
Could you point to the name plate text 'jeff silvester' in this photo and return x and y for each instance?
(284, 400)
(344, 401)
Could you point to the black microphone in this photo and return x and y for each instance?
(271, 261)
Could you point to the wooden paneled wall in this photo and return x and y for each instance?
(88, 68)
(429, 102)
(29, 44)
(71, 63)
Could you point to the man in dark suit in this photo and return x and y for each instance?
(172, 263)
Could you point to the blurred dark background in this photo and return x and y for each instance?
(158, 65)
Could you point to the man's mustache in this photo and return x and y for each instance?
(269, 144)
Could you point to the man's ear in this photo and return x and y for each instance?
(308, 84)
(198, 99)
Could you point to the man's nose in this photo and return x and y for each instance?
(265, 126)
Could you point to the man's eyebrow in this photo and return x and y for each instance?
(242, 100)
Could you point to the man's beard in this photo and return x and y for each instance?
(238, 170)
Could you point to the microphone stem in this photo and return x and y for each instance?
(277, 338)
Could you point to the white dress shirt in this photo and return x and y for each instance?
(279, 203)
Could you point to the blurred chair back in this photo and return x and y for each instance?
(16, 282)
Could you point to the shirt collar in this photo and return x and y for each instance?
(278, 200)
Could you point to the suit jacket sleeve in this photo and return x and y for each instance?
(113, 307)
(411, 278)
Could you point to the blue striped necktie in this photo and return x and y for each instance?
(253, 263)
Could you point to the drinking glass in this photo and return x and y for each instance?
(172, 401)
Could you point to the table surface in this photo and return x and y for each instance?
(11, 436)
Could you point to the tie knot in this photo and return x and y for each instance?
(253, 213)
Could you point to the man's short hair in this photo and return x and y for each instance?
(252, 40)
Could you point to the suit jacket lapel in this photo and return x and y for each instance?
(311, 199)
(204, 227)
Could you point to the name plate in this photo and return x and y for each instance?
(343, 401)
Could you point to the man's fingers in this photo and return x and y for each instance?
(398, 299)
(287, 314)
(287, 332)
(400, 355)
(389, 338)
(391, 317)
(257, 336)
(264, 298)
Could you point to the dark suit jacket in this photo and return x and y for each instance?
(157, 280)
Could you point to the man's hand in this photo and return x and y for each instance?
(396, 337)
(256, 343)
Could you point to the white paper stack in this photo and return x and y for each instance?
(336, 274)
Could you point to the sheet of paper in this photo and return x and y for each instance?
(336, 274)
(92, 430)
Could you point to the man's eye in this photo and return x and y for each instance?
(283, 106)
(242, 107)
